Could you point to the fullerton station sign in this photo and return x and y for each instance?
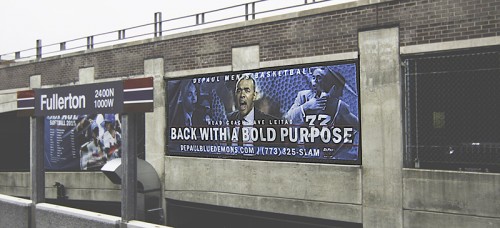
(133, 95)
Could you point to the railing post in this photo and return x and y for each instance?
(200, 16)
(247, 7)
(121, 34)
(62, 46)
(90, 42)
(18, 54)
(253, 10)
(38, 49)
(246, 12)
(158, 28)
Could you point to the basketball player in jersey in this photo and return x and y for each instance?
(321, 106)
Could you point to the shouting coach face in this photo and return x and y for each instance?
(245, 95)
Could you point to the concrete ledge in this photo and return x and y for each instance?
(139, 224)
(465, 193)
(310, 59)
(14, 212)
(211, 70)
(313, 209)
(48, 215)
(451, 45)
(266, 64)
(419, 219)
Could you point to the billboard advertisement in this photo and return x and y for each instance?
(81, 142)
(291, 114)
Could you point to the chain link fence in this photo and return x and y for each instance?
(452, 110)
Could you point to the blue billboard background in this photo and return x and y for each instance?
(81, 142)
(206, 113)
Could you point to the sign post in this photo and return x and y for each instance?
(129, 162)
(37, 165)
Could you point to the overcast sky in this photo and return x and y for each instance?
(53, 21)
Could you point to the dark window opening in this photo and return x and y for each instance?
(15, 141)
(452, 111)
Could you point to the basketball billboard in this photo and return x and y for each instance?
(296, 114)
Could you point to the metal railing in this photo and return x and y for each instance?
(155, 29)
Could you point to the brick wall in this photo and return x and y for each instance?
(431, 21)
(420, 21)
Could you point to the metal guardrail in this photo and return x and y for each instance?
(154, 29)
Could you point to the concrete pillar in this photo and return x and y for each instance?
(156, 122)
(382, 129)
(86, 75)
(35, 81)
(246, 58)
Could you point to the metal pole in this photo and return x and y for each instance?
(253, 10)
(129, 163)
(121, 34)
(37, 166)
(246, 12)
(90, 42)
(38, 49)
(158, 23)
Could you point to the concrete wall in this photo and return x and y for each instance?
(451, 199)
(424, 219)
(303, 189)
(15, 184)
(82, 186)
(79, 185)
(52, 216)
(14, 212)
